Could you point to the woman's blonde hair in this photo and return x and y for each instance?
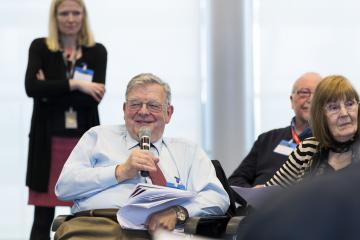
(331, 89)
(85, 37)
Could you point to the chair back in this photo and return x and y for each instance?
(223, 179)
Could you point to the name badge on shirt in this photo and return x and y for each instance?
(285, 147)
(83, 74)
(71, 119)
(177, 185)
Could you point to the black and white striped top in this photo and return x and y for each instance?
(294, 168)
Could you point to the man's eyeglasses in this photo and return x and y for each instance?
(151, 106)
(334, 108)
(304, 92)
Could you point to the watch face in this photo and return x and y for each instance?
(181, 215)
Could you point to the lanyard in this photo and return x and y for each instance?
(295, 136)
(70, 64)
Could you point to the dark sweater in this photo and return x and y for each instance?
(262, 162)
(52, 97)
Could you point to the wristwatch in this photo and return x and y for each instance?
(181, 214)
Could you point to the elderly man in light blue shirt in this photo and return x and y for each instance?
(105, 166)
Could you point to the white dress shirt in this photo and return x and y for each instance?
(88, 176)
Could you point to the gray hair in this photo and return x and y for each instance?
(148, 78)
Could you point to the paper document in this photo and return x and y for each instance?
(147, 199)
(162, 234)
(255, 197)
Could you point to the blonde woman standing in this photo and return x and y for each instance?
(65, 77)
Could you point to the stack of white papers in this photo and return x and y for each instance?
(147, 199)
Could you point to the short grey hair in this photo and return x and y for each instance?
(145, 79)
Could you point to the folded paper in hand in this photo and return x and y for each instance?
(147, 199)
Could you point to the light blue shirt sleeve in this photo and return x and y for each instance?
(79, 177)
(211, 198)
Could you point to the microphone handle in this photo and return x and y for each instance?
(144, 173)
(145, 144)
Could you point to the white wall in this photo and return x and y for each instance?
(292, 37)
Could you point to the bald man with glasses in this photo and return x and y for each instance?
(272, 148)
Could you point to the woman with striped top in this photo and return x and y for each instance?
(335, 145)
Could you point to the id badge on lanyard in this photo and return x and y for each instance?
(71, 119)
(83, 73)
(286, 147)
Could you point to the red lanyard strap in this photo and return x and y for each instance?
(295, 136)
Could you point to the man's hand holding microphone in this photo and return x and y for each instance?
(140, 159)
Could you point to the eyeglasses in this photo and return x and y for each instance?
(304, 92)
(334, 108)
(152, 106)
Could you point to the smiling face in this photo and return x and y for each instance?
(342, 119)
(146, 105)
(69, 17)
(301, 97)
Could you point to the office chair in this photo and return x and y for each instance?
(225, 226)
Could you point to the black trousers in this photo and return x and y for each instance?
(43, 217)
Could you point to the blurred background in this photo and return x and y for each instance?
(231, 65)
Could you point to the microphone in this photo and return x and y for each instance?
(144, 135)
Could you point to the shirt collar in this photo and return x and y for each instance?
(130, 142)
(158, 145)
(292, 123)
(304, 134)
